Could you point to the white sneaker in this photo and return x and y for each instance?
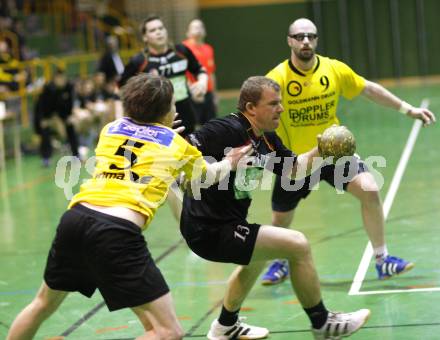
(239, 330)
(339, 325)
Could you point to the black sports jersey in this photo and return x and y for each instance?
(229, 200)
(172, 64)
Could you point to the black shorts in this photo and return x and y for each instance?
(205, 110)
(285, 198)
(187, 114)
(95, 250)
(229, 243)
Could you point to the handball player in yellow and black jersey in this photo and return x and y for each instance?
(311, 87)
(99, 241)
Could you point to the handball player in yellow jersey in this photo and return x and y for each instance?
(99, 241)
(311, 86)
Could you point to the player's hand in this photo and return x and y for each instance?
(198, 91)
(176, 124)
(426, 116)
(236, 154)
(337, 142)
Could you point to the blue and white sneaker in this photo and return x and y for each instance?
(392, 266)
(278, 271)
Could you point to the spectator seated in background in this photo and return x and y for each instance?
(84, 116)
(106, 95)
(10, 73)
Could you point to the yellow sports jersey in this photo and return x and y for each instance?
(310, 99)
(136, 164)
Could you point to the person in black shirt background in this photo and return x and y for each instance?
(215, 224)
(172, 62)
(110, 62)
(55, 103)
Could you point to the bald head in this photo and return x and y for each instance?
(302, 25)
(303, 40)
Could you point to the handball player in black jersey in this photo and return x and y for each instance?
(215, 224)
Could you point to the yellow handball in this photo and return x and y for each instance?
(336, 141)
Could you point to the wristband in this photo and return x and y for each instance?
(404, 108)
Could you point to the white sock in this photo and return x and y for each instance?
(380, 253)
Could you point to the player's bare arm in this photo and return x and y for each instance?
(382, 96)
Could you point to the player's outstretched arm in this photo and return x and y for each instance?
(215, 172)
(219, 170)
(306, 163)
(382, 96)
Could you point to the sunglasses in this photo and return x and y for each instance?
(302, 36)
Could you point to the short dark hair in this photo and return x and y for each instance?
(252, 89)
(147, 98)
(151, 17)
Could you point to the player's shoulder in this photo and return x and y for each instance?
(332, 62)
(231, 122)
(281, 67)
(157, 133)
(217, 134)
(138, 58)
(182, 48)
(208, 47)
(228, 129)
(280, 73)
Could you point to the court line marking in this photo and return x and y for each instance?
(363, 328)
(190, 332)
(28, 185)
(389, 198)
(308, 330)
(407, 290)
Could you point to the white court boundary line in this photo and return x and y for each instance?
(391, 194)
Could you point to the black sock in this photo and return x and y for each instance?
(228, 318)
(317, 315)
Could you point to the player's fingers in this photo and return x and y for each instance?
(180, 129)
(425, 118)
(430, 115)
(177, 122)
(247, 149)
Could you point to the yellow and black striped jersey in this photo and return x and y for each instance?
(310, 99)
(136, 164)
